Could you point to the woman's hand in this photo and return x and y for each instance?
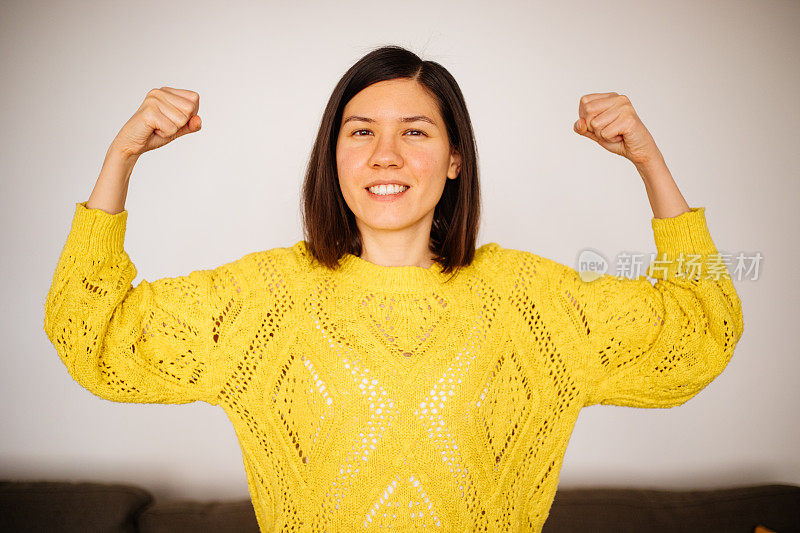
(610, 120)
(165, 115)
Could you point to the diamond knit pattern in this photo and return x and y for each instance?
(369, 397)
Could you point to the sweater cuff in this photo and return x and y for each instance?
(684, 247)
(687, 232)
(97, 232)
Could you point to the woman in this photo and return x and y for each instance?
(384, 371)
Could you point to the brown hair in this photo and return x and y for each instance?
(329, 226)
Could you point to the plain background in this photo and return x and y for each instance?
(715, 83)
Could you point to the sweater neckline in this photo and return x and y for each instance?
(355, 269)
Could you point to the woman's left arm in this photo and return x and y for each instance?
(653, 346)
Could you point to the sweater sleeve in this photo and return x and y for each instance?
(658, 345)
(159, 342)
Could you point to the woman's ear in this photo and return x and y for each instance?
(455, 165)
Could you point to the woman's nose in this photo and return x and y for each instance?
(386, 152)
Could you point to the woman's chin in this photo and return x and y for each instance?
(386, 223)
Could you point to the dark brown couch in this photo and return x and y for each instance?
(45, 506)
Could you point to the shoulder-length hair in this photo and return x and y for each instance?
(329, 226)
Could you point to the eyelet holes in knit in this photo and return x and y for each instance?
(544, 370)
(353, 374)
(502, 419)
(581, 315)
(247, 377)
(356, 352)
(394, 510)
(166, 322)
(627, 322)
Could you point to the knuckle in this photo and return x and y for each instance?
(186, 107)
(153, 96)
(152, 115)
(150, 102)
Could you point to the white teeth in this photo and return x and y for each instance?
(387, 189)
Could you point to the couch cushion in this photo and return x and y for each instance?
(67, 507)
(190, 516)
(729, 510)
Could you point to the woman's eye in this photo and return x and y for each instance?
(409, 131)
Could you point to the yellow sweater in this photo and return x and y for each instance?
(371, 396)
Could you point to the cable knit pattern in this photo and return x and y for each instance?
(367, 396)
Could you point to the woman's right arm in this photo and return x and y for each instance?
(166, 341)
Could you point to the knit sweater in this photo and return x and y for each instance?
(369, 396)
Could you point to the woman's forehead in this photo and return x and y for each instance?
(392, 100)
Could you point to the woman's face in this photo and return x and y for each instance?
(375, 143)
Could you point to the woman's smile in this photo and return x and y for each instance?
(387, 193)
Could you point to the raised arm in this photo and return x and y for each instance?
(165, 341)
(652, 345)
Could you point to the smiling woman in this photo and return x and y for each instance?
(385, 373)
(410, 166)
(394, 119)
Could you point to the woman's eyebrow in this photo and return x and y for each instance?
(415, 118)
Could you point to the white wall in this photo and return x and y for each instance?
(715, 83)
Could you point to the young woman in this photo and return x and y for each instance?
(384, 371)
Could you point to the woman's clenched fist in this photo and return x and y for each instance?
(610, 120)
(166, 114)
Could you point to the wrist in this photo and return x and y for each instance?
(118, 155)
(653, 169)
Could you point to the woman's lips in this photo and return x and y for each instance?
(386, 197)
